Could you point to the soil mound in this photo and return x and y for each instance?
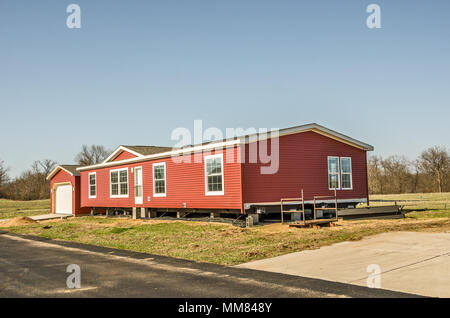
(21, 220)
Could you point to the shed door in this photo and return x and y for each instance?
(63, 199)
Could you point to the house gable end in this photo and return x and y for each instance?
(124, 155)
(121, 153)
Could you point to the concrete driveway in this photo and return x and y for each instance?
(411, 262)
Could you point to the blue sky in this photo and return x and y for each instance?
(138, 69)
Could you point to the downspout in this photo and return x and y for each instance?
(367, 182)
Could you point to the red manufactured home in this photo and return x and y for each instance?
(236, 175)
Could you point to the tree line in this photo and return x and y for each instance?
(430, 172)
(32, 183)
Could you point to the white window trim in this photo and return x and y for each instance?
(89, 185)
(350, 173)
(110, 184)
(205, 158)
(160, 195)
(338, 172)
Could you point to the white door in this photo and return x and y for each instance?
(63, 199)
(138, 195)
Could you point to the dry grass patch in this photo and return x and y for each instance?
(11, 209)
(216, 242)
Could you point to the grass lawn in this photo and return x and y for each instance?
(11, 209)
(223, 243)
(213, 242)
(418, 205)
(427, 197)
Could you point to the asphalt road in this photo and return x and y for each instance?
(36, 267)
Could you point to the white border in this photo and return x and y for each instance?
(351, 173)
(165, 179)
(338, 172)
(110, 184)
(205, 158)
(89, 185)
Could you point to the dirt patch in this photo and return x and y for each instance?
(276, 228)
(22, 220)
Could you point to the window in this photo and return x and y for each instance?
(214, 175)
(92, 185)
(159, 179)
(346, 173)
(119, 183)
(333, 173)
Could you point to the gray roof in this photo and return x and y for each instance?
(72, 169)
(148, 150)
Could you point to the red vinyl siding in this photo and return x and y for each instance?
(303, 164)
(185, 183)
(62, 177)
(124, 155)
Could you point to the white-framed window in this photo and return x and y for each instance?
(118, 180)
(214, 183)
(346, 173)
(92, 185)
(159, 179)
(333, 173)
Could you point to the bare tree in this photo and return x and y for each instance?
(45, 166)
(32, 183)
(415, 177)
(91, 155)
(375, 175)
(4, 177)
(436, 162)
(391, 175)
(397, 172)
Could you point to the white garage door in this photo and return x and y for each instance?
(63, 199)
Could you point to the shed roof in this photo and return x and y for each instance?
(71, 169)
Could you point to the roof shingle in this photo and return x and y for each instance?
(148, 150)
(72, 169)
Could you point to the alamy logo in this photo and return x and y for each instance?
(74, 279)
(263, 145)
(374, 279)
(374, 19)
(74, 19)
